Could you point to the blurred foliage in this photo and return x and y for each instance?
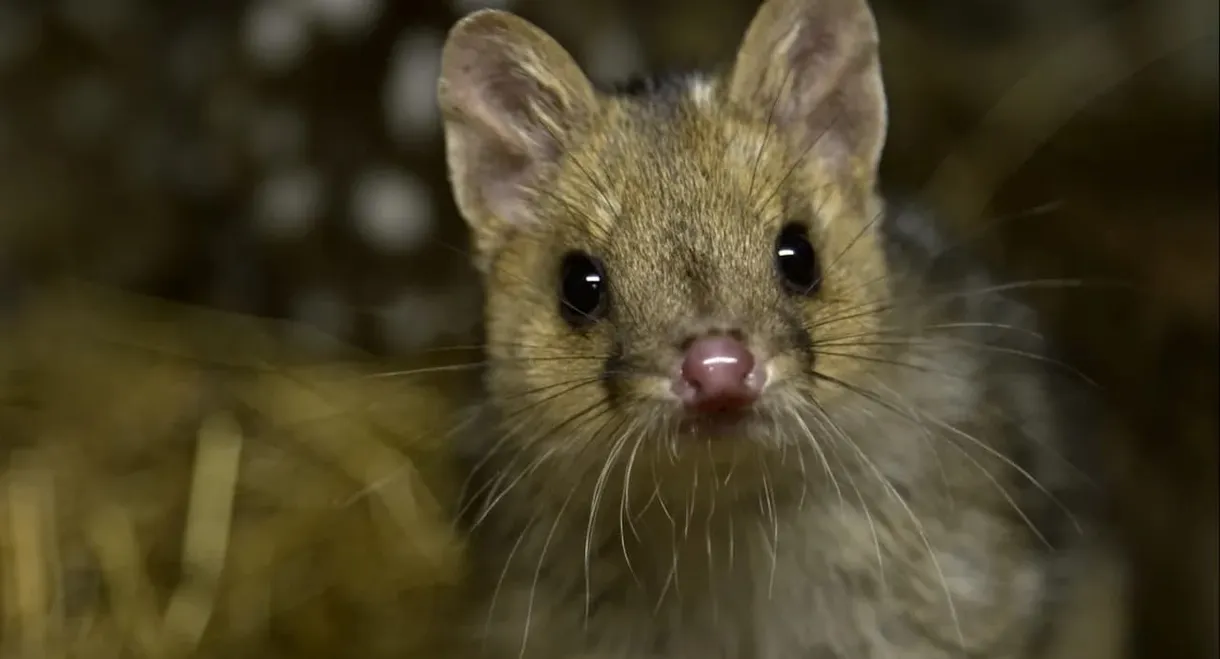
(177, 484)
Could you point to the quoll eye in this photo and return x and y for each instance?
(582, 289)
(796, 262)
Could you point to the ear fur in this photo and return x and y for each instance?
(812, 66)
(510, 96)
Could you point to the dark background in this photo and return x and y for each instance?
(283, 158)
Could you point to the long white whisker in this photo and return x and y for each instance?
(546, 544)
(923, 415)
(625, 493)
(919, 529)
(599, 487)
(834, 429)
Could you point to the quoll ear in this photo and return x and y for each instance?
(510, 97)
(812, 66)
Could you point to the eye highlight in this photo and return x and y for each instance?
(582, 289)
(796, 261)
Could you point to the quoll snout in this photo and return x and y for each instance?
(718, 374)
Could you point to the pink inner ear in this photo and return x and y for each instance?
(506, 198)
(812, 66)
(504, 84)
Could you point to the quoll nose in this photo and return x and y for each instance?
(718, 374)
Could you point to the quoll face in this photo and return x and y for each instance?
(680, 275)
(688, 264)
(691, 298)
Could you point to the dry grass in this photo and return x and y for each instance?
(174, 485)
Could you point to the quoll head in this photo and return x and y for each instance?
(670, 258)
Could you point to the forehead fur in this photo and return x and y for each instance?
(682, 195)
(676, 158)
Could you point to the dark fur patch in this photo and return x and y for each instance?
(613, 372)
(664, 87)
(799, 337)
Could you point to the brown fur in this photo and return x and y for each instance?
(874, 508)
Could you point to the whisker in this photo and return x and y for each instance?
(893, 362)
(922, 415)
(927, 300)
(899, 331)
(973, 345)
(825, 421)
(796, 164)
(855, 240)
(522, 418)
(483, 363)
(508, 562)
(833, 264)
(607, 466)
(888, 487)
(690, 503)
(599, 487)
(599, 406)
(546, 544)
(925, 434)
(484, 346)
(821, 453)
(769, 496)
(779, 94)
(627, 472)
(980, 230)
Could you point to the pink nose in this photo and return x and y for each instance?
(718, 375)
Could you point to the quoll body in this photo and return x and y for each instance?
(737, 408)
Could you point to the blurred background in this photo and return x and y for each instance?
(283, 158)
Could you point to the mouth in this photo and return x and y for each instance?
(719, 425)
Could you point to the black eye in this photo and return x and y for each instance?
(582, 289)
(796, 261)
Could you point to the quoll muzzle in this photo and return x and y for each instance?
(718, 374)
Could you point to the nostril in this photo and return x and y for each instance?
(717, 373)
(716, 360)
